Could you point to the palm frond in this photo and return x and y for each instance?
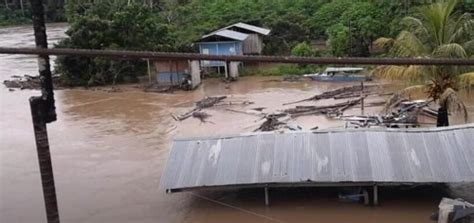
(451, 50)
(469, 47)
(466, 80)
(412, 73)
(383, 43)
(461, 29)
(451, 101)
(407, 44)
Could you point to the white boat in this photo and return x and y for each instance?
(340, 74)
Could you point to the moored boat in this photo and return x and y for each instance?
(340, 74)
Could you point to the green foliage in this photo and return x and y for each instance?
(18, 12)
(327, 16)
(111, 26)
(303, 50)
(338, 39)
(12, 17)
(358, 26)
(280, 70)
(348, 26)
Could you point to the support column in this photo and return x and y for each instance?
(365, 194)
(267, 199)
(376, 195)
(362, 98)
(234, 69)
(195, 73)
(148, 70)
(226, 71)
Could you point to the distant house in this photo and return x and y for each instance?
(253, 44)
(221, 42)
(236, 39)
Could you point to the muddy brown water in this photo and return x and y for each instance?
(109, 150)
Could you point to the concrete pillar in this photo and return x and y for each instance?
(376, 195)
(234, 69)
(195, 73)
(267, 198)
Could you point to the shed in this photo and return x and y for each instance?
(253, 44)
(171, 73)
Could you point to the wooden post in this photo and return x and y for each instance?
(170, 72)
(362, 97)
(149, 70)
(177, 72)
(376, 195)
(365, 193)
(267, 199)
(225, 70)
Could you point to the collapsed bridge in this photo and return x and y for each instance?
(337, 158)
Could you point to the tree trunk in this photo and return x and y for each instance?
(22, 8)
(6, 4)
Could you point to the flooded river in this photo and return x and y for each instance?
(109, 150)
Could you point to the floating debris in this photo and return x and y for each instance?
(341, 93)
(204, 103)
(202, 116)
(27, 82)
(329, 110)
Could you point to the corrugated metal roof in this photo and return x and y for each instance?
(336, 156)
(228, 34)
(252, 28)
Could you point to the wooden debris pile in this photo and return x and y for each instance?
(342, 93)
(27, 82)
(202, 104)
(329, 110)
(391, 121)
(405, 116)
(275, 121)
(202, 116)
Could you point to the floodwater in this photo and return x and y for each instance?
(109, 150)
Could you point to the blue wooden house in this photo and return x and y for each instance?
(221, 42)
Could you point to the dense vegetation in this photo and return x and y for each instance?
(349, 27)
(15, 12)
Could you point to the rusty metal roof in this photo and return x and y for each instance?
(427, 155)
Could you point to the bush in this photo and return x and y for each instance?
(13, 17)
(303, 50)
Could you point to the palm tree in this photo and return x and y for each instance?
(437, 31)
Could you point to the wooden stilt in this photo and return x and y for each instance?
(362, 98)
(376, 195)
(226, 73)
(267, 199)
(149, 70)
(365, 194)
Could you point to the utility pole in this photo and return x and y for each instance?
(43, 111)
